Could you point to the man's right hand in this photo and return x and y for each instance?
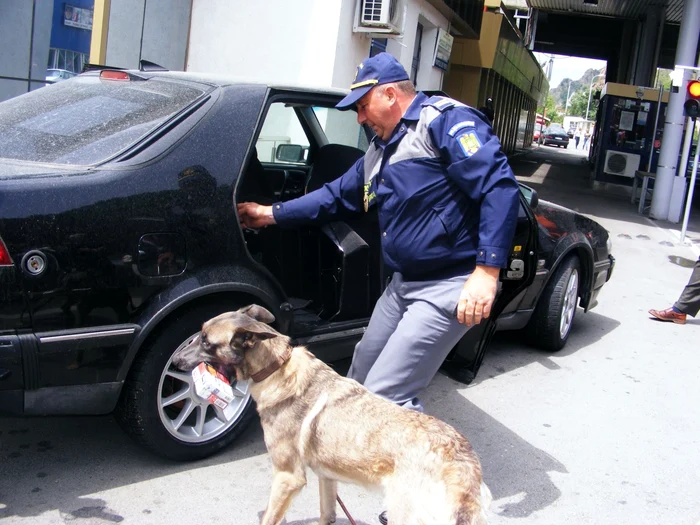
(254, 215)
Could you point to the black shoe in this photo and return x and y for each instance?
(382, 518)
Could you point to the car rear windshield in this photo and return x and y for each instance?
(86, 120)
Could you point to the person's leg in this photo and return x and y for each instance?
(424, 336)
(689, 301)
(385, 317)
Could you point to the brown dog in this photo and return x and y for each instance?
(314, 418)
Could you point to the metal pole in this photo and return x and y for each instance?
(689, 199)
(656, 125)
(673, 127)
(568, 91)
(590, 89)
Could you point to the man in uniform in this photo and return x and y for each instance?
(447, 207)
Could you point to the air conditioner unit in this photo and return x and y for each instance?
(621, 164)
(381, 17)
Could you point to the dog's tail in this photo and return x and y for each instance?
(473, 509)
(485, 499)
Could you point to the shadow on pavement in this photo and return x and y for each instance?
(508, 350)
(53, 463)
(514, 470)
(56, 463)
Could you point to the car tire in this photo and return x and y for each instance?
(158, 407)
(550, 325)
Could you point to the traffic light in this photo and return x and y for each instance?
(692, 99)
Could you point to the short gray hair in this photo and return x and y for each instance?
(405, 87)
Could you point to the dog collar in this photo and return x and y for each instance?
(272, 367)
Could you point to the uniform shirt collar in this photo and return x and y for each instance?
(413, 111)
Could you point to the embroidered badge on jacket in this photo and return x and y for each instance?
(469, 143)
(368, 197)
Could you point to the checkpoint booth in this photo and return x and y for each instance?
(628, 133)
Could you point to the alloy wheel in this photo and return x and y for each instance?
(569, 306)
(190, 418)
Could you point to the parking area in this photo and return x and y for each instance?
(604, 432)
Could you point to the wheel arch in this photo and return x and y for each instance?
(174, 304)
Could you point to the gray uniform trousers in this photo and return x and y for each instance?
(412, 329)
(689, 301)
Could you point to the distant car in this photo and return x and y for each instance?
(56, 75)
(556, 136)
(570, 133)
(119, 237)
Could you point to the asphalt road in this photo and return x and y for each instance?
(604, 432)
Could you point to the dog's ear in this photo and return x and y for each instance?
(248, 337)
(258, 313)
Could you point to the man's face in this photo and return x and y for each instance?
(376, 109)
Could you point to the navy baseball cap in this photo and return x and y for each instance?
(373, 71)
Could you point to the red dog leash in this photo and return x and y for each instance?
(342, 506)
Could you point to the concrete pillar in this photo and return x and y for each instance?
(673, 127)
(646, 60)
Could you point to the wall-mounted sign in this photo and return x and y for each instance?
(77, 17)
(443, 49)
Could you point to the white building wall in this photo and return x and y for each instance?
(300, 41)
(154, 30)
(429, 77)
(273, 40)
(124, 37)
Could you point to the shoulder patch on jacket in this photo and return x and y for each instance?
(469, 143)
(439, 103)
(461, 125)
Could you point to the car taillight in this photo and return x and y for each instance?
(5, 259)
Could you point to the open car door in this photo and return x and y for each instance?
(464, 361)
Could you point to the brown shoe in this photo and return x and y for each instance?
(669, 315)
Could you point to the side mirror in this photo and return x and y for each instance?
(530, 196)
(290, 153)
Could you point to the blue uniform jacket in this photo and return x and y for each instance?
(447, 199)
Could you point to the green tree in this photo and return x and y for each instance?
(579, 103)
(550, 110)
(663, 78)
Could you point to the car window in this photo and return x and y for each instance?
(283, 140)
(85, 120)
(280, 130)
(341, 127)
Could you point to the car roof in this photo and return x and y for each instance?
(228, 80)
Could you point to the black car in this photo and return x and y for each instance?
(554, 135)
(119, 237)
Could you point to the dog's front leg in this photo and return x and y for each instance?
(328, 490)
(285, 485)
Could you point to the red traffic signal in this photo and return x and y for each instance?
(692, 100)
(694, 89)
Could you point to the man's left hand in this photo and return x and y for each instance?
(477, 296)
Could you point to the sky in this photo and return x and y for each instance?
(567, 67)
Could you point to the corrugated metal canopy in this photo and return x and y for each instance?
(630, 9)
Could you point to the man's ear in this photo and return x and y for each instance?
(390, 93)
(258, 313)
